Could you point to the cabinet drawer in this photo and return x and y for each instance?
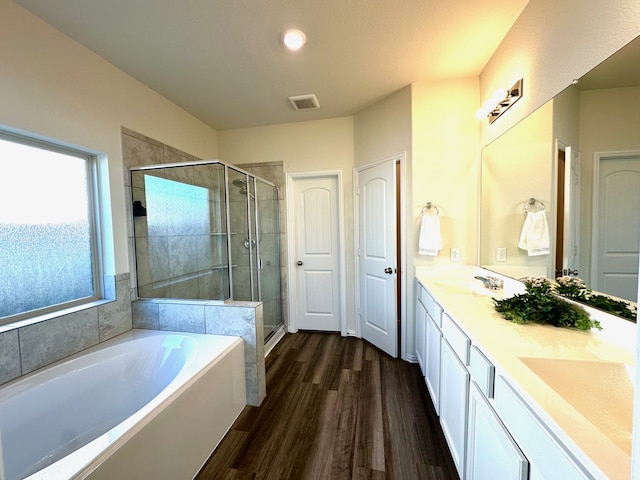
(547, 455)
(482, 371)
(459, 342)
(426, 299)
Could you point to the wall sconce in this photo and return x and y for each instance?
(500, 102)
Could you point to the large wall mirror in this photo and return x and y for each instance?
(577, 160)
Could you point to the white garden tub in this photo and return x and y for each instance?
(146, 404)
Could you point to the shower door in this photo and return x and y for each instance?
(269, 255)
(255, 244)
(243, 242)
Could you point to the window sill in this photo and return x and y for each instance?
(25, 322)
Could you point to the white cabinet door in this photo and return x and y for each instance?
(491, 452)
(454, 397)
(432, 360)
(550, 460)
(421, 322)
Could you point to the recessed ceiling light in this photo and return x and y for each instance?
(294, 39)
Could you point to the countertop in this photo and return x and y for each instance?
(580, 383)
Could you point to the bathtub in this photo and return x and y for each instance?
(146, 404)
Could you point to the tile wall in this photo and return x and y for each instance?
(24, 349)
(238, 319)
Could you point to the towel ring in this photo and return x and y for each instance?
(532, 201)
(429, 206)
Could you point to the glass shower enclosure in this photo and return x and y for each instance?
(207, 231)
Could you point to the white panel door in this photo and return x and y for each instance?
(317, 253)
(618, 227)
(376, 255)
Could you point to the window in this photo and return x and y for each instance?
(48, 235)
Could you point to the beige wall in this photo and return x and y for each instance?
(550, 44)
(313, 146)
(383, 129)
(53, 87)
(445, 165)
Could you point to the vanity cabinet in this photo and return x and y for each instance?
(490, 428)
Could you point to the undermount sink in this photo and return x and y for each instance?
(602, 392)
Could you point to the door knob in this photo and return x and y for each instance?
(299, 262)
(388, 270)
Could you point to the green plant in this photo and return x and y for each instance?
(575, 289)
(539, 304)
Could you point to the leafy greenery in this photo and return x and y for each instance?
(540, 305)
(575, 289)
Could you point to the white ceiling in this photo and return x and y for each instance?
(222, 60)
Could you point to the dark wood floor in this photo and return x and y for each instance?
(336, 408)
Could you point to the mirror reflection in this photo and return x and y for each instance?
(561, 190)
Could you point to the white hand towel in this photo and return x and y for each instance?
(430, 241)
(534, 237)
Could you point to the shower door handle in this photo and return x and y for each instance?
(299, 262)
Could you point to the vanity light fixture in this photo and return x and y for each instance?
(294, 39)
(500, 102)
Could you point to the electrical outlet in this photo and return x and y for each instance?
(455, 254)
(501, 254)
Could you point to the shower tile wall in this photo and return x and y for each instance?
(141, 150)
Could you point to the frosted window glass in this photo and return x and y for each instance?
(46, 254)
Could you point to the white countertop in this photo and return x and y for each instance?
(576, 381)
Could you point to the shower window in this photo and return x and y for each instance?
(180, 232)
(48, 234)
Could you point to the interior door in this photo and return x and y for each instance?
(616, 271)
(377, 255)
(572, 215)
(317, 253)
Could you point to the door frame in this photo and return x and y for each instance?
(402, 278)
(292, 294)
(599, 156)
(571, 214)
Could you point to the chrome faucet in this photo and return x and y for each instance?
(491, 283)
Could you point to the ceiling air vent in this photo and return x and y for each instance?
(304, 102)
